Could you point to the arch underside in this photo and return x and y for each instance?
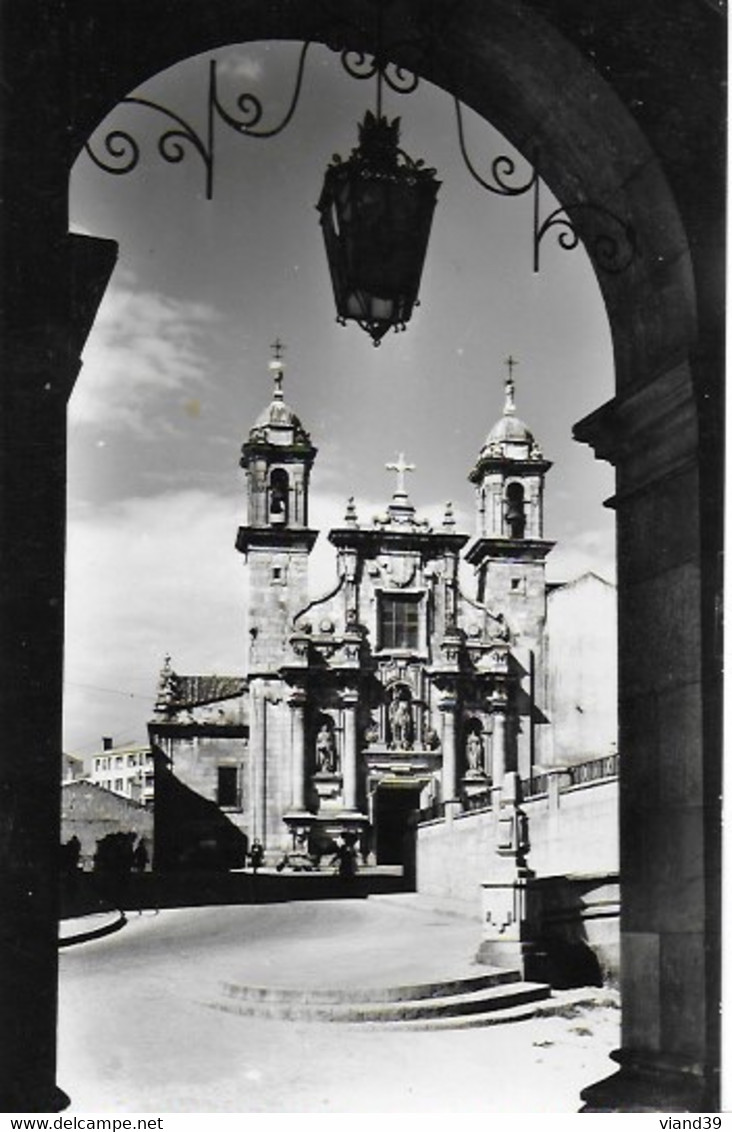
(596, 93)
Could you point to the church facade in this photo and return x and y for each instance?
(402, 690)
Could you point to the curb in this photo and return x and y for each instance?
(107, 928)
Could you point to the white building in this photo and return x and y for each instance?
(127, 771)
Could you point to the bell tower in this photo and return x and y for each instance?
(276, 541)
(509, 550)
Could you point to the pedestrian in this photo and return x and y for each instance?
(344, 861)
(256, 854)
(140, 857)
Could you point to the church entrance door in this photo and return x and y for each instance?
(395, 809)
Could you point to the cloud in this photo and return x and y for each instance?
(147, 576)
(144, 347)
(241, 66)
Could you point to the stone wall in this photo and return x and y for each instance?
(197, 760)
(574, 831)
(573, 835)
(90, 813)
(571, 831)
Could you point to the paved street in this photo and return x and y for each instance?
(137, 1032)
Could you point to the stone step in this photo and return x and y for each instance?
(554, 1003)
(503, 996)
(490, 977)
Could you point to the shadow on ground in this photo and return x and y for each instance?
(92, 892)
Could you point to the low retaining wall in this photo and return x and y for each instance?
(579, 929)
(573, 854)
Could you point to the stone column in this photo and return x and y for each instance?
(669, 769)
(297, 704)
(257, 749)
(449, 753)
(498, 768)
(349, 768)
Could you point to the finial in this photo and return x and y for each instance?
(509, 407)
(400, 467)
(276, 367)
(166, 685)
(351, 518)
(449, 516)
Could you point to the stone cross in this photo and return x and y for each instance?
(276, 365)
(510, 406)
(400, 468)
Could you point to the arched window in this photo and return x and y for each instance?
(515, 513)
(279, 491)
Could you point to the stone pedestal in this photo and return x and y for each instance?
(476, 785)
(328, 788)
(508, 931)
(507, 911)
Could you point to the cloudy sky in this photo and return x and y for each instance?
(175, 370)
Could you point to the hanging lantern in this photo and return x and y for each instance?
(376, 211)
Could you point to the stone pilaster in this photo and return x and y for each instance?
(448, 705)
(499, 710)
(350, 751)
(297, 702)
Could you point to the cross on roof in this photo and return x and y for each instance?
(276, 366)
(510, 405)
(400, 467)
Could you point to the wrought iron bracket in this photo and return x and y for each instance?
(612, 249)
(176, 141)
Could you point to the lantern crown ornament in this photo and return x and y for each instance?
(376, 212)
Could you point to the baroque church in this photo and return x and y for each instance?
(402, 692)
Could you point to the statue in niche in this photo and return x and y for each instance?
(474, 754)
(371, 733)
(502, 632)
(401, 720)
(326, 756)
(431, 738)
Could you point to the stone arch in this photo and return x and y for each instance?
(278, 497)
(555, 103)
(549, 74)
(515, 509)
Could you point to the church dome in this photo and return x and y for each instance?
(511, 429)
(278, 412)
(510, 437)
(278, 423)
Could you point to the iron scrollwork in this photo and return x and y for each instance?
(612, 249)
(362, 65)
(124, 150)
